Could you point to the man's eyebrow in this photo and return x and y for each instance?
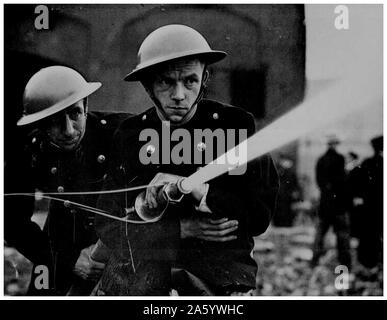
(169, 76)
(166, 76)
(191, 75)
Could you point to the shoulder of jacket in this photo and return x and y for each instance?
(34, 141)
(227, 110)
(106, 120)
(137, 121)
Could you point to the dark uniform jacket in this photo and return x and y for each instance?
(331, 177)
(370, 249)
(68, 229)
(143, 254)
(372, 184)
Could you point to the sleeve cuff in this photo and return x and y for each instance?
(202, 207)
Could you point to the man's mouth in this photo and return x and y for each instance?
(178, 109)
(175, 107)
(69, 142)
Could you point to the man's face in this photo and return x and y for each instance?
(66, 129)
(176, 87)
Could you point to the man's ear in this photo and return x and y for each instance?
(85, 105)
(147, 88)
(206, 76)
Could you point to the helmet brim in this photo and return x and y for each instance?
(208, 57)
(89, 88)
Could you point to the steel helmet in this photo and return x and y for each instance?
(51, 90)
(172, 42)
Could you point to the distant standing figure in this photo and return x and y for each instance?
(354, 190)
(330, 175)
(370, 247)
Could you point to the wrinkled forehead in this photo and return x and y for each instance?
(77, 106)
(180, 66)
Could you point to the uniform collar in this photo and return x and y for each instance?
(186, 118)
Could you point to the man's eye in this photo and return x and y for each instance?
(75, 114)
(190, 82)
(165, 82)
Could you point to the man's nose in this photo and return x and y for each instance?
(68, 126)
(178, 92)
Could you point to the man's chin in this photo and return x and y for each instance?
(175, 119)
(68, 146)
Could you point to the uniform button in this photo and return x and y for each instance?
(67, 204)
(150, 149)
(143, 117)
(73, 211)
(103, 121)
(215, 116)
(33, 140)
(54, 170)
(60, 189)
(201, 146)
(101, 158)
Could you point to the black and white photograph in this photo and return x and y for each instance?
(189, 150)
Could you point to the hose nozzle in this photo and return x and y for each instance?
(169, 193)
(175, 192)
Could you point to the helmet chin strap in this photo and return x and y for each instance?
(188, 116)
(60, 149)
(52, 144)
